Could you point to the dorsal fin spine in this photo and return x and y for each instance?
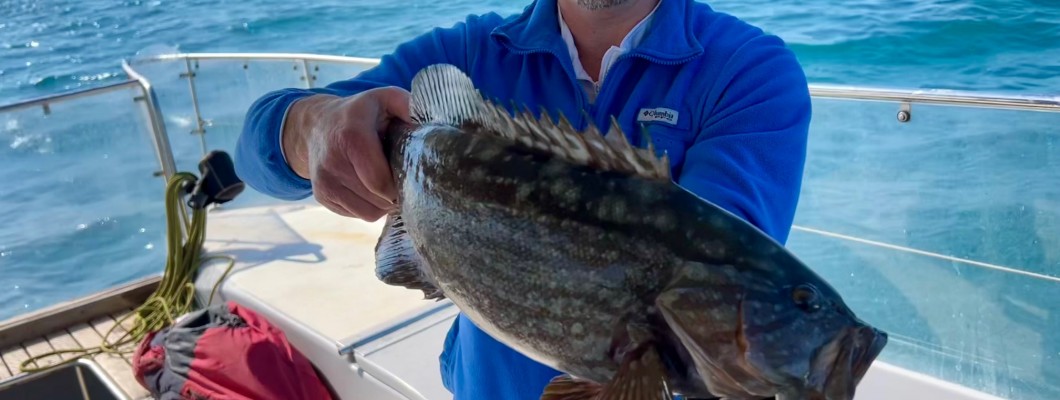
(576, 145)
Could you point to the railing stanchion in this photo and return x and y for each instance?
(158, 128)
(200, 127)
(306, 74)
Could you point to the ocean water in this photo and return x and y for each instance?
(80, 211)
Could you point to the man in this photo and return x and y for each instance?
(728, 103)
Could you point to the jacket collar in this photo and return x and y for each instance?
(668, 39)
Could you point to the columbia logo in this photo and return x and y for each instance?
(658, 114)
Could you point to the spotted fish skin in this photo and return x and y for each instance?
(595, 263)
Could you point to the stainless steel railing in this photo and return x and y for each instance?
(190, 59)
(156, 126)
(45, 102)
(905, 99)
(939, 97)
(367, 62)
(925, 96)
(161, 142)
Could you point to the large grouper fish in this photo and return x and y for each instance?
(579, 251)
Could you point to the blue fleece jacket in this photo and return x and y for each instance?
(726, 101)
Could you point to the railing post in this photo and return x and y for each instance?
(155, 123)
(306, 75)
(200, 127)
(159, 136)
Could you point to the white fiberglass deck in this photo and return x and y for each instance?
(308, 263)
(312, 273)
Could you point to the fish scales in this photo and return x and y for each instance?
(580, 252)
(580, 195)
(592, 293)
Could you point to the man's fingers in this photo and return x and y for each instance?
(394, 102)
(362, 208)
(335, 207)
(338, 198)
(349, 204)
(372, 167)
(368, 190)
(355, 185)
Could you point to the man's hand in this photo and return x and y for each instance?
(335, 143)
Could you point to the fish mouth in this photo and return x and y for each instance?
(868, 344)
(840, 365)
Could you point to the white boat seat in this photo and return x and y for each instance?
(312, 274)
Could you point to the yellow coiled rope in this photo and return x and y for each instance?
(175, 294)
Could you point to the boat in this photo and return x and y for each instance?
(311, 272)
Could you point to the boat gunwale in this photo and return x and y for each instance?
(21, 328)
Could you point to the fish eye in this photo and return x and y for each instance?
(806, 297)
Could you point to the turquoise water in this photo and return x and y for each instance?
(81, 212)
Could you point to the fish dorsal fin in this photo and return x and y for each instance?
(443, 94)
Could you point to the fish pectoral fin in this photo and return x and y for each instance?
(398, 264)
(708, 324)
(641, 376)
(796, 396)
(566, 387)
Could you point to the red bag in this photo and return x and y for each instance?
(225, 352)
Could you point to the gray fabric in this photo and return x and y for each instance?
(178, 343)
